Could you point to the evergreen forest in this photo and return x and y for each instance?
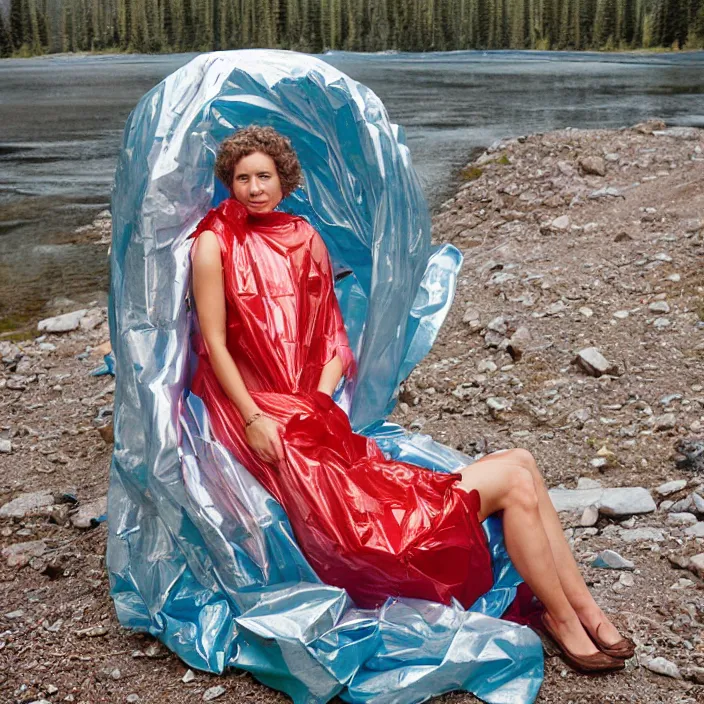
(30, 27)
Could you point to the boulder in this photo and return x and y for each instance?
(623, 501)
(88, 514)
(35, 503)
(593, 165)
(19, 554)
(593, 362)
(62, 323)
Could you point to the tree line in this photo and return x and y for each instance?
(154, 26)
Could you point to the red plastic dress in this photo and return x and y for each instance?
(372, 526)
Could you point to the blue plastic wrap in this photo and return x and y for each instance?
(199, 554)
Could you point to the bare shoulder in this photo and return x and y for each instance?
(206, 250)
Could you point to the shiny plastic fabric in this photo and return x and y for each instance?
(372, 526)
(200, 554)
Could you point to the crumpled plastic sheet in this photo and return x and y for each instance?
(199, 554)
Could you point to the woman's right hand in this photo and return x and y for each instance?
(264, 437)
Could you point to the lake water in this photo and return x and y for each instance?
(61, 121)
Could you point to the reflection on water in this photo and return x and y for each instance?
(61, 121)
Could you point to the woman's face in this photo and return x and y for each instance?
(256, 183)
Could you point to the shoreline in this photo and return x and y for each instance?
(572, 239)
(390, 52)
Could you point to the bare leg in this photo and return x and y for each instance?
(508, 487)
(573, 585)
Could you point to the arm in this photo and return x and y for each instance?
(209, 295)
(331, 375)
(338, 354)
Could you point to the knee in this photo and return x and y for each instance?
(522, 491)
(525, 459)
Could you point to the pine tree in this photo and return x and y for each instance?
(5, 41)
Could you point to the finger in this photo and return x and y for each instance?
(279, 448)
(264, 454)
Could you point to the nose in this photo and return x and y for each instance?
(254, 186)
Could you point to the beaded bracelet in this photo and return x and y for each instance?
(252, 418)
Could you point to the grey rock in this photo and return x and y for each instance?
(62, 323)
(649, 126)
(562, 223)
(518, 342)
(662, 666)
(695, 674)
(681, 519)
(556, 308)
(666, 421)
(606, 192)
(91, 319)
(661, 323)
(132, 698)
(698, 502)
(500, 277)
(88, 513)
(213, 693)
(34, 503)
(92, 632)
(685, 505)
(696, 564)
(623, 501)
(188, 677)
(580, 416)
(494, 339)
(626, 501)
(589, 517)
(575, 499)
(498, 324)
(5, 446)
(486, 365)
(659, 307)
(14, 614)
(671, 487)
(637, 535)
(471, 315)
(626, 580)
(594, 363)
(611, 560)
(696, 530)
(621, 314)
(593, 165)
(690, 134)
(497, 404)
(18, 382)
(20, 554)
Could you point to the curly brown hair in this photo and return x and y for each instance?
(256, 138)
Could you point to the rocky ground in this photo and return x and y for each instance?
(572, 240)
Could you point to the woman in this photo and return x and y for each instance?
(272, 350)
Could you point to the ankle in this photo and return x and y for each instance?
(563, 621)
(590, 615)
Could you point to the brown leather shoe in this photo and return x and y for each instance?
(623, 649)
(596, 662)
